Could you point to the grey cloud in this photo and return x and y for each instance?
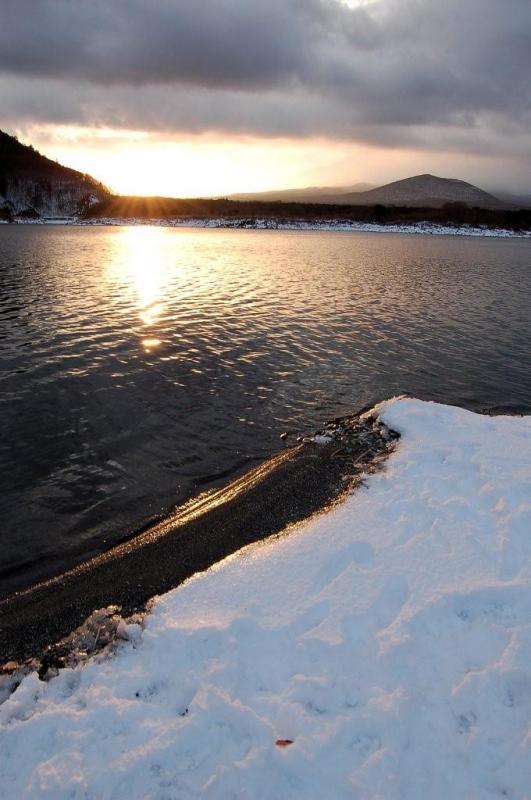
(418, 72)
(233, 43)
(167, 110)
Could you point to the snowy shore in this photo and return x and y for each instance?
(382, 650)
(426, 228)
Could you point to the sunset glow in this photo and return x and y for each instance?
(192, 100)
(142, 163)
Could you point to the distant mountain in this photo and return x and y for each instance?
(34, 186)
(428, 191)
(310, 194)
(517, 200)
(420, 190)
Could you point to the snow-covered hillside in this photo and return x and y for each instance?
(33, 186)
(49, 198)
(382, 650)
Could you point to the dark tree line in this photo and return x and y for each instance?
(167, 208)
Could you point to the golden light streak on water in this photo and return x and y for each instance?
(143, 264)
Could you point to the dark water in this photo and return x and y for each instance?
(140, 365)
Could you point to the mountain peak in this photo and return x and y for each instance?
(426, 190)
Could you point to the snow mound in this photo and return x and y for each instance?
(382, 650)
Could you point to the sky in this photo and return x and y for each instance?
(207, 97)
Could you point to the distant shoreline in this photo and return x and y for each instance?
(418, 228)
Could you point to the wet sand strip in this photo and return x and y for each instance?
(287, 488)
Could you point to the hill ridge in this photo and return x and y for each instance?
(426, 190)
(33, 185)
(423, 190)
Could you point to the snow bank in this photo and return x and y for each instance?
(426, 228)
(389, 641)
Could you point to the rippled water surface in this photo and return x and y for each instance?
(140, 365)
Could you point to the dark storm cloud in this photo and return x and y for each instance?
(380, 72)
(230, 43)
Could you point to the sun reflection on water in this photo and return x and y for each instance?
(143, 265)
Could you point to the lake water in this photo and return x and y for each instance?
(140, 365)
